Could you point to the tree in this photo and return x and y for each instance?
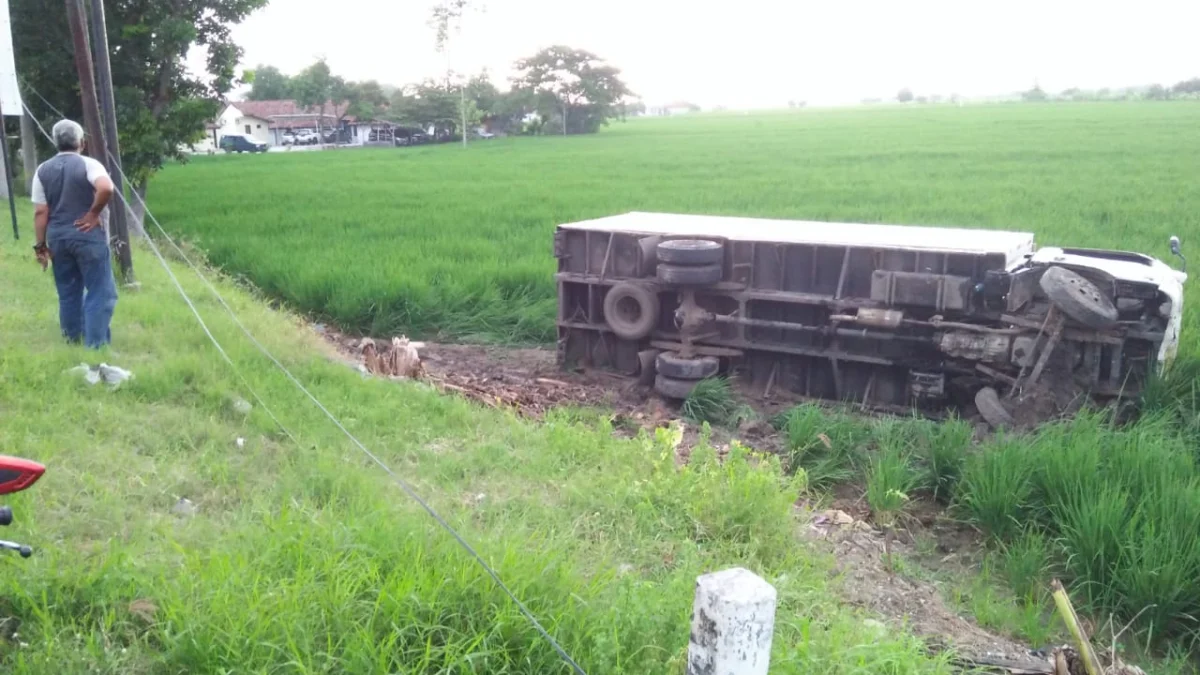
(1034, 95)
(447, 16)
(1186, 87)
(268, 83)
(364, 100)
(315, 87)
(161, 106)
(576, 84)
(1157, 92)
(429, 104)
(510, 110)
(904, 95)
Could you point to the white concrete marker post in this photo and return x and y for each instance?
(733, 620)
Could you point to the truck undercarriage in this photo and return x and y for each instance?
(888, 317)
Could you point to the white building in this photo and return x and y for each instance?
(233, 120)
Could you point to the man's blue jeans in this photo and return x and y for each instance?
(87, 292)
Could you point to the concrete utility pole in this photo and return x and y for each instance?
(97, 148)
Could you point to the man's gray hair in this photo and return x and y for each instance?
(68, 135)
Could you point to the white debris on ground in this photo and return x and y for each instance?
(113, 376)
(184, 508)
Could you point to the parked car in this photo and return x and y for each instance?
(288, 138)
(307, 137)
(240, 143)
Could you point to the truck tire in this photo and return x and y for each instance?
(669, 387)
(631, 311)
(691, 252)
(1078, 298)
(677, 367)
(690, 275)
(991, 409)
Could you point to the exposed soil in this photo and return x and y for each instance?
(903, 602)
(526, 380)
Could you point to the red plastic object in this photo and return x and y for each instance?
(16, 474)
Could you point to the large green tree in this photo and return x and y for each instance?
(161, 106)
(315, 87)
(364, 100)
(268, 83)
(574, 84)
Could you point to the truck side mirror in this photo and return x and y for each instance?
(1177, 250)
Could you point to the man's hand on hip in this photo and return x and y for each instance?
(88, 222)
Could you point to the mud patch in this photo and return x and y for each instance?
(527, 381)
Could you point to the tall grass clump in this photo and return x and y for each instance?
(942, 448)
(827, 443)
(713, 401)
(1027, 562)
(1113, 509)
(995, 488)
(891, 477)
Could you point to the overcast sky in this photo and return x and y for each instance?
(757, 53)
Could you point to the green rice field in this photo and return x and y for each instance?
(444, 242)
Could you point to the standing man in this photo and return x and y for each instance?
(69, 193)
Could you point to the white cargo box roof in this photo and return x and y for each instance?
(1014, 246)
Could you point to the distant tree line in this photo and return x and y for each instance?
(1187, 89)
(559, 90)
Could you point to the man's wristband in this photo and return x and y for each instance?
(40, 247)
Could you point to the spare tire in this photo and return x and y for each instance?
(631, 311)
(1078, 298)
(691, 252)
(690, 275)
(675, 366)
(669, 387)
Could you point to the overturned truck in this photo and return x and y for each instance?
(885, 316)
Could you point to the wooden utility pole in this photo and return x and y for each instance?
(119, 212)
(96, 147)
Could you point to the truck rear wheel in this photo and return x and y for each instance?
(675, 366)
(673, 388)
(691, 252)
(690, 275)
(1078, 298)
(631, 311)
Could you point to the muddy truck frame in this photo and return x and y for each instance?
(888, 317)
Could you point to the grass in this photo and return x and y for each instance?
(453, 243)
(305, 559)
(714, 401)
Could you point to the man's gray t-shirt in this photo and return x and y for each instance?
(67, 184)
